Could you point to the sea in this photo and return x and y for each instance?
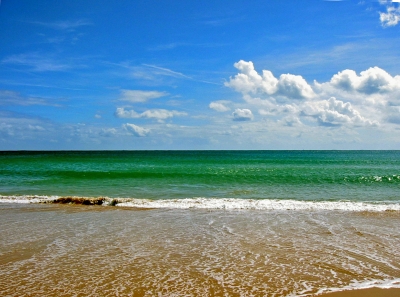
(198, 223)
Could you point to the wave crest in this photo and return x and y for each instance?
(209, 203)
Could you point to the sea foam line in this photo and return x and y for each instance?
(355, 285)
(265, 204)
(210, 203)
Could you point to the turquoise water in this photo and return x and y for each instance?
(298, 175)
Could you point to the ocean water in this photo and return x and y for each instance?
(199, 223)
(356, 176)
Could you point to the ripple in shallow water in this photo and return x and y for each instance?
(70, 250)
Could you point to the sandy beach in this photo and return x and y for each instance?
(67, 250)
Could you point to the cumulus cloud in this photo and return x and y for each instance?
(219, 106)
(157, 114)
(294, 86)
(372, 80)
(334, 112)
(242, 115)
(249, 81)
(366, 99)
(138, 96)
(136, 130)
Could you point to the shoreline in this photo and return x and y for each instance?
(211, 203)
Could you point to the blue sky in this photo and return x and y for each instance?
(199, 74)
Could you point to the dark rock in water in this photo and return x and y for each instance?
(79, 200)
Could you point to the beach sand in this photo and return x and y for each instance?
(70, 250)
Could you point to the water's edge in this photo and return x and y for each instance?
(208, 203)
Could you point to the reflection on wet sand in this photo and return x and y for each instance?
(68, 250)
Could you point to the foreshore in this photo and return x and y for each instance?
(69, 250)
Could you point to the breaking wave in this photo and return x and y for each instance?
(209, 203)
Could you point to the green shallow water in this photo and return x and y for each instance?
(299, 175)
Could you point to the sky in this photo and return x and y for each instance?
(184, 75)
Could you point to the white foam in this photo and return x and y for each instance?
(27, 199)
(225, 203)
(265, 204)
(355, 285)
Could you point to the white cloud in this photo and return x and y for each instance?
(219, 106)
(375, 80)
(368, 99)
(136, 130)
(294, 86)
(291, 121)
(126, 114)
(264, 112)
(6, 130)
(161, 114)
(391, 17)
(334, 112)
(159, 75)
(108, 132)
(242, 115)
(372, 80)
(167, 72)
(345, 79)
(37, 62)
(35, 128)
(138, 96)
(158, 114)
(393, 114)
(248, 81)
(65, 25)
(13, 98)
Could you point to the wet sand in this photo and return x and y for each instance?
(373, 292)
(71, 250)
